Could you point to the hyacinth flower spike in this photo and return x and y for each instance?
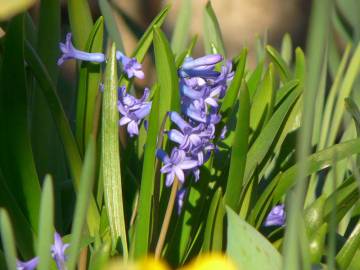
(175, 165)
(70, 52)
(276, 217)
(200, 67)
(132, 110)
(58, 252)
(27, 265)
(131, 66)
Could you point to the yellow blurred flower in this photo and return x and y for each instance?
(211, 261)
(148, 263)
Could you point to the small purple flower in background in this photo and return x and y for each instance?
(130, 66)
(276, 217)
(133, 110)
(70, 52)
(58, 252)
(175, 164)
(27, 265)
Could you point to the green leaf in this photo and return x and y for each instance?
(234, 87)
(16, 157)
(315, 162)
(11, 8)
(82, 202)
(317, 243)
(111, 23)
(329, 106)
(279, 62)
(110, 155)
(167, 75)
(181, 30)
(80, 21)
(209, 227)
(285, 90)
(213, 41)
(263, 102)
(247, 247)
(239, 150)
(140, 245)
(344, 91)
(354, 111)
(254, 79)
(88, 88)
(21, 226)
(63, 127)
(46, 224)
(286, 49)
(263, 142)
(8, 240)
(347, 252)
(314, 215)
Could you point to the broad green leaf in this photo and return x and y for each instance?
(286, 48)
(347, 252)
(218, 231)
(279, 63)
(247, 247)
(11, 8)
(234, 87)
(209, 227)
(239, 149)
(167, 75)
(314, 214)
(82, 202)
(8, 241)
(181, 30)
(88, 87)
(213, 40)
(181, 57)
(46, 224)
(315, 162)
(111, 23)
(317, 243)
(140, 244)
(63, 127)
(285, 90)
(110, 155)
(300, 64)
(16, 157)
(99, 258)
(80, 21)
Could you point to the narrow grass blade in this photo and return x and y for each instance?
(16, 157)
(82, 202)
(213, 40)
(182, 25)
(239, 150)
(80, 21)
(46, 224)
(255, 78)
(111, 23)
(110, 155)
(8, 240)
(140, 245)
(88, 87)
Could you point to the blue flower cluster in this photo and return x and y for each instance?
(201, 87)
(57, 253)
